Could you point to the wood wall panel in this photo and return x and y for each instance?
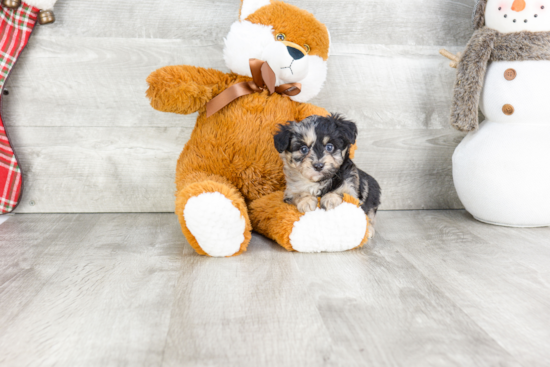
(124, 169)
(82, 126)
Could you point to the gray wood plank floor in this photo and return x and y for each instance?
(434, 288)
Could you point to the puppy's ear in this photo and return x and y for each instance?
(282, 138)
(347, 127)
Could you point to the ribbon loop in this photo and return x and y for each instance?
(262, 77)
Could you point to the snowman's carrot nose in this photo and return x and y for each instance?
(518, 5)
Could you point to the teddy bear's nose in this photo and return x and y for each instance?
(295, 53)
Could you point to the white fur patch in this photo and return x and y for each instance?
(250, 6)
(215, 223)
(41, 4)
(246, 41)
(314, 81)
(340, 229)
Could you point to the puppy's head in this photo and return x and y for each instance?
(317, 146)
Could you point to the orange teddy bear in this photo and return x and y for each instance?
(229, 176)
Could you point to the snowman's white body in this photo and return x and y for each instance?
(502, 171)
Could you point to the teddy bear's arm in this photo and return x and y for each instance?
(183, 89)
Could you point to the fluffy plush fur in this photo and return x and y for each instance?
(315, 155)
(284, 223)
(41, 4)
(232, 151)
(490, 45)
(254, 37)
(479, 14)
(487, 45)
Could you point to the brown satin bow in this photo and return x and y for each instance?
(262, 77)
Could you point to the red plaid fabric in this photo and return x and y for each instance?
(16, 26)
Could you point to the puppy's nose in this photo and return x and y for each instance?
(295, 53)
(318, 166)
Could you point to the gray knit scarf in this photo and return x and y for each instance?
(489, 45)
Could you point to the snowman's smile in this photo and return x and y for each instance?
(508, 16)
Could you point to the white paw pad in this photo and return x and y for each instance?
(215, 223)
(339, 229)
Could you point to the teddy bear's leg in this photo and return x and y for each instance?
(213, 215)
(340, 229)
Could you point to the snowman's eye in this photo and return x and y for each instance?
(499, 8)
(542, 7)
(280, 37)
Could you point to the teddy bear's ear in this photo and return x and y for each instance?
(250, 6)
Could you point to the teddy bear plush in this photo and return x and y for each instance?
(229, 177)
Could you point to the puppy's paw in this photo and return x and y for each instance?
(372, 232)
(331, 201)
(371, 216)
(307, 204)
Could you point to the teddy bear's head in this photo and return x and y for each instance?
(508, 16)
(289, 39)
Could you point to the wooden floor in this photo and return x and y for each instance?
(435, 288)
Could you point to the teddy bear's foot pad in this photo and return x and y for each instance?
(216, 224)
(340, 229)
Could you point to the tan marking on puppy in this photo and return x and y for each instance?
(307, 132)
(331, 201)
(305, 203)
(349, 187)
(297, 184)
(326, 140)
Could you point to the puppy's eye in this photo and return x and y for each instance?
(304, 149)
(329, 148)
(307, 48)
(280, 37)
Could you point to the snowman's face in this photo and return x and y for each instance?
(507, 16)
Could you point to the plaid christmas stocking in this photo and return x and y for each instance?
(16, 25)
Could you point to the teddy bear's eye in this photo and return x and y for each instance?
(280, 37)
(307, 48)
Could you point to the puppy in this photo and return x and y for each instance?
(315, 154)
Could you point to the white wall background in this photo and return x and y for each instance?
(88, 140)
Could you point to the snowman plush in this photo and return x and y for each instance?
(502, 168)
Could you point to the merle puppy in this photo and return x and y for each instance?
(315, 154)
